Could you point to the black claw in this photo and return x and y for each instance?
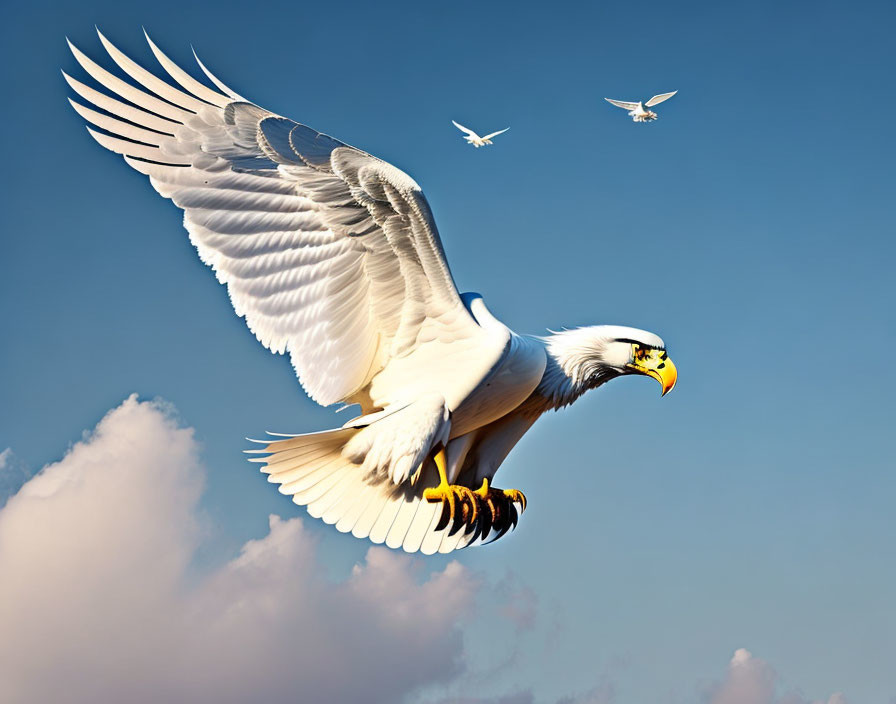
(471, 508)
(505, 516)
(514, 515)
(446, 515)
(512, 519)
(494, 515)
(460, 518)
(456, 526)
(503, 524)
(501, 513)
(473, 530)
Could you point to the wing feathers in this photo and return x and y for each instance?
(224, 89)
(116, 107)
(467, 130)
(381, 522)
(495, 134)
(657, 99)
(136, 150)
(145, 78)
(402, 523)
(118, 127)
(186, 80)
(126, 91)
(278, 209)
(367, 501)
(622, 104)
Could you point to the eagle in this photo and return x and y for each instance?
(475, 139)
(332, 257)
(638, 111)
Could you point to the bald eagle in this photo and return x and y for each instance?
(332, 256)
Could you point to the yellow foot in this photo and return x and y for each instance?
(499, 512)
(460, 504)
(484, 511)
(451, 496)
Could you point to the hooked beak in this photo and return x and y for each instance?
(667, 376)
(656, 363)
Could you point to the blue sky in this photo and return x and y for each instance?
(749, 227)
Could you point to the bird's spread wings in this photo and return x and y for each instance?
(622, 104)
(330, 254)
(466, 129)
(495, 134)
(657, 99)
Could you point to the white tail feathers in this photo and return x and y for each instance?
(315, 471)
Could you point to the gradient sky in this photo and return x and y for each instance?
(750, 227)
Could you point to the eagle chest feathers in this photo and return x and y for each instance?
(508, 385)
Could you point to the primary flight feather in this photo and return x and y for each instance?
(332, 256)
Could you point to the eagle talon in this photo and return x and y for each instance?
(490, 494)
(517, 497)
(502, 514)
(448, 501)
(508, 522)
(452, 496)
(469, 509)
(460, 502)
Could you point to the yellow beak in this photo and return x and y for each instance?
(667, 376)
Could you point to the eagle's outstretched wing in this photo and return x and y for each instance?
(330, 254)
(467, 130)
(657, 99)
(495, 134)
(622, 104)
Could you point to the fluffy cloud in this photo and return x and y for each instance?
(751, 680)
(97, 602)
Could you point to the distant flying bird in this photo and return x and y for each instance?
(475, 139)
(333, 257)
(637, 110)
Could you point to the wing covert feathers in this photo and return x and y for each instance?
(331, 255)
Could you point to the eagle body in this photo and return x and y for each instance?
(333, 258)
(638, 111)
(640, 114)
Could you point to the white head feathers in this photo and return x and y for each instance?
(584, 358)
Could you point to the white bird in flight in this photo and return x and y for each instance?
(333, 257)
(475, 139)
(638, 111)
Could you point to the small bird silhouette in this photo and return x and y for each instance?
(638, 111)
(475, 139)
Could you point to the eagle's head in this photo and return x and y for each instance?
(591, 356)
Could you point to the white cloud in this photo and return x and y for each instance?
(751, 680)
(97, 602)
